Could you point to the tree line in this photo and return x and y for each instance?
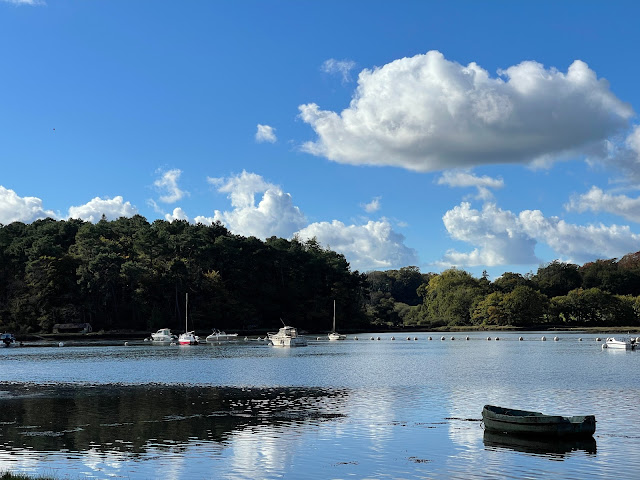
(603, 293)
(129, 274)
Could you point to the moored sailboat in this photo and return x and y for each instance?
(333, 335)
(187, 338)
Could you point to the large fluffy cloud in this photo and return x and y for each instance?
(369, 246)
(504, 238)
(275, 214)
(499, 237)
(14, 208)
(374, 245)
(111, 208)
(427, 113)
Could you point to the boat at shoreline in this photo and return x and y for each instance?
(524, 422)
(163, 335)
(287, 337)
(624, 344)
(187, 338)
(8, 340)
(333, 335)
(220, 336)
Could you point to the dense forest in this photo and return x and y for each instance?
(129, 274)
(603, 293)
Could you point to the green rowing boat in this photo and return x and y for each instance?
(523, 422)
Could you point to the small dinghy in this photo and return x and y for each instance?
(523, 422)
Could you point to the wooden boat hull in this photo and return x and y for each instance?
(522, 422)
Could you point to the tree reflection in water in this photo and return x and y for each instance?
(130, 418)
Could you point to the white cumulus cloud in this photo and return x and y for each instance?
(427, 113)
(496, 233)
(596, 200)
(167, 184)
(366, 247)
(112, 208)
(503, 238)
(266, 133)
(14, 208)
(275, 213)
(340, 67)
(374, 245)
(177, 214)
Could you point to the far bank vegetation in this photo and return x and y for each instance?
(129, 274)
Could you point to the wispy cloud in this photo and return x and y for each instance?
(464, 178)
(340, 67)
(373, 206)
(167, 184)
(25, 2)
(266, 133)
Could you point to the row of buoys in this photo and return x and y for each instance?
(442, 338)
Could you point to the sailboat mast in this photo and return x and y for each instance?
(334, 316)
(186, 309)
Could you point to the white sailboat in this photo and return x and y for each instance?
(333, 335)
(187, 338)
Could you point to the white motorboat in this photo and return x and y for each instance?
(163, 335)
(287, 337)
(333, 335)
(220, 336)
(336, 336)
(624, 344)
(8, 340)
(187, 338)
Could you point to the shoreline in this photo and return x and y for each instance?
(142, 335)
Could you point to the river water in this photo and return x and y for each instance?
(362, 409)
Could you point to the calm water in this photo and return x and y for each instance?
(352, 409)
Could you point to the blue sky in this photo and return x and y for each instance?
(483, 135)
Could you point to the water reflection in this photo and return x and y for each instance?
(135, 419)
(541, 445)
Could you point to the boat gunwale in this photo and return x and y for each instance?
(523, 422)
